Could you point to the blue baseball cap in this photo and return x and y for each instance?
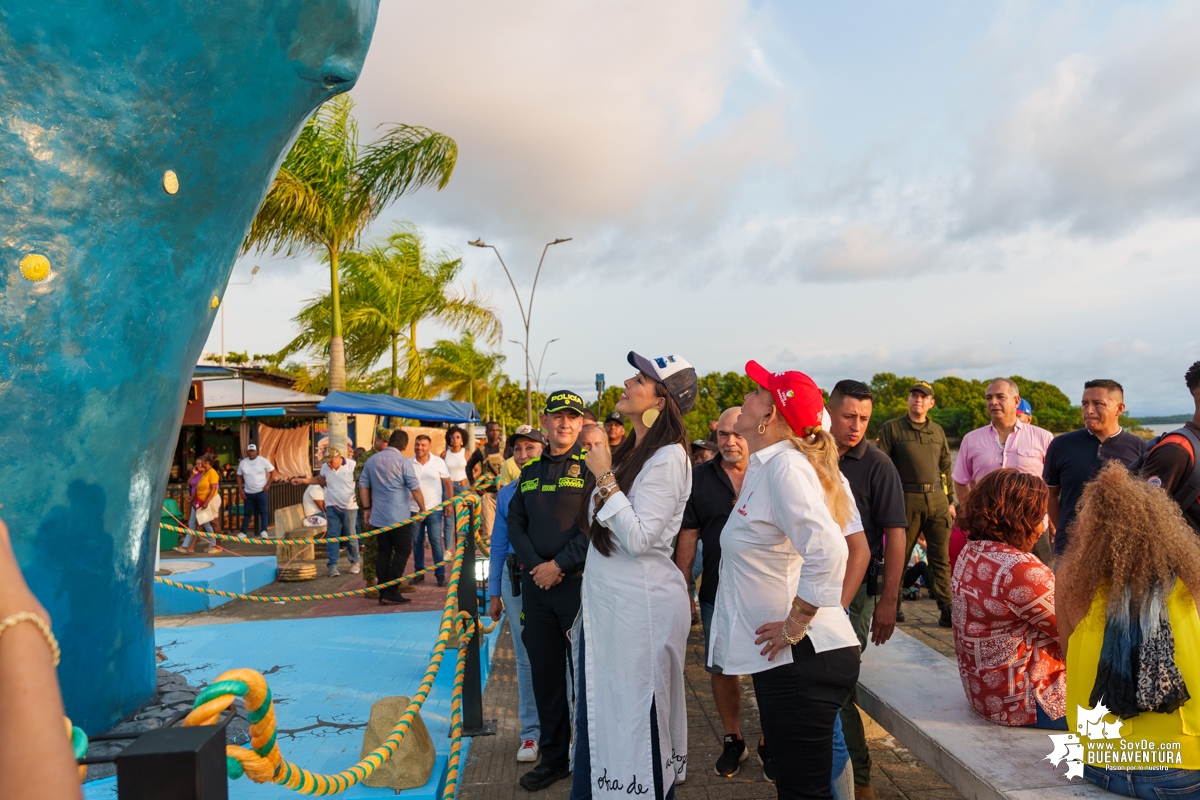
(1024, 408)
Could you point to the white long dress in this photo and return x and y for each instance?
(635, 616)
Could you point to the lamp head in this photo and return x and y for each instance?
(560, 241)
(478, 243)
(254, 271)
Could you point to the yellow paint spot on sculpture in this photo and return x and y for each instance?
(215, 301)
(170, 182)
(35, 267)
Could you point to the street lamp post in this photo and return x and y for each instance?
(526, 314)
(253, 272)
(537, 375)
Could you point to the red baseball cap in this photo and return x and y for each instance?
(796, 396)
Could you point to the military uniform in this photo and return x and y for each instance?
(921, 454)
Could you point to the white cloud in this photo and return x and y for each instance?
(1105, 141)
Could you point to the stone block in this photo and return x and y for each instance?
(412, 763)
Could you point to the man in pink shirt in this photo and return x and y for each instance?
(1006, 442)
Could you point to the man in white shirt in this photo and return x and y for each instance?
(341, 509)
(254, 475)
(434, 477)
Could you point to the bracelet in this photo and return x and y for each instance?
(793, 640)
(801, 611)
(47, 634)
(799, 622)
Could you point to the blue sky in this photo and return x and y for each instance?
(935, 188)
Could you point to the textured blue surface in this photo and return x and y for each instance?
(239, 575)
(327, 670)
(98, 98)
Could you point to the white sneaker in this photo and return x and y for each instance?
(333, 573)
(528, 751)
(355, 568)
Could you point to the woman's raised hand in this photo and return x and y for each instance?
(599, 461)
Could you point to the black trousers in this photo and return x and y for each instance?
(395, 546)
(797, 704)
(549, 615)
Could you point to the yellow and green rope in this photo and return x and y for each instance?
(264, 763)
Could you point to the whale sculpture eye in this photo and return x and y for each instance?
(35, 267)
(170, 182)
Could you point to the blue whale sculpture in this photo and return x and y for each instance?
(137, 140)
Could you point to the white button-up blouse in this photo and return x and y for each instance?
(780, 542)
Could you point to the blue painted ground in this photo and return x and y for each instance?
(326, 670)
(240, 575)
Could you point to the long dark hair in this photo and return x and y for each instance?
(628, 461)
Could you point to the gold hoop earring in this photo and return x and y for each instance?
(762, 428)
(649, 417)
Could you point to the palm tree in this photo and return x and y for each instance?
(387, 290)
(461, 369)
(329, 189)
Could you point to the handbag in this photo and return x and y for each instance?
(210, 510)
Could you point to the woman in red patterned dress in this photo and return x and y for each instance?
(1005, 632)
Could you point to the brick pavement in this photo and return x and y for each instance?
(492, 770)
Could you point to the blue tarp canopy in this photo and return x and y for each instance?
(384, 405)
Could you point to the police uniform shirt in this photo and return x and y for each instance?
(543, 518)
(877, 493)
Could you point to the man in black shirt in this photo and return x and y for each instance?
(880, 500)
(1172, 463)
(543, 531)
(715, 487)
(1074, 458)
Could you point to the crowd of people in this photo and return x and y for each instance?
(1067, 568)
(798, 534)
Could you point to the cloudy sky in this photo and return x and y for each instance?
(929, 189)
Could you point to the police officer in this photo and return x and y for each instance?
(918, 447)
(543, 531)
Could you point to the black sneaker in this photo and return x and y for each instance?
(944, 620)
(764, 758)
(418, 579)
(732, 756)
(441, 580)
(542, 776)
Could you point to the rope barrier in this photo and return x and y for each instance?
(481, 483)
(264, 763)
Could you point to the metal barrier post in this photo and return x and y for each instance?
(472, 698)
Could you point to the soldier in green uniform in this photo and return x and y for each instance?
(917, 446)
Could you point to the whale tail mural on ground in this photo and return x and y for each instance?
(137, 140)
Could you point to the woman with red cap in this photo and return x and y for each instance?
(778, 614)
(631, 633)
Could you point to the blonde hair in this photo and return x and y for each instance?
(1128, 535)
(821, 451)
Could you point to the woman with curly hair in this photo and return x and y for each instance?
(1005, 630)
(1129, 627)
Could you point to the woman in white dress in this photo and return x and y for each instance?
(631, 634)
